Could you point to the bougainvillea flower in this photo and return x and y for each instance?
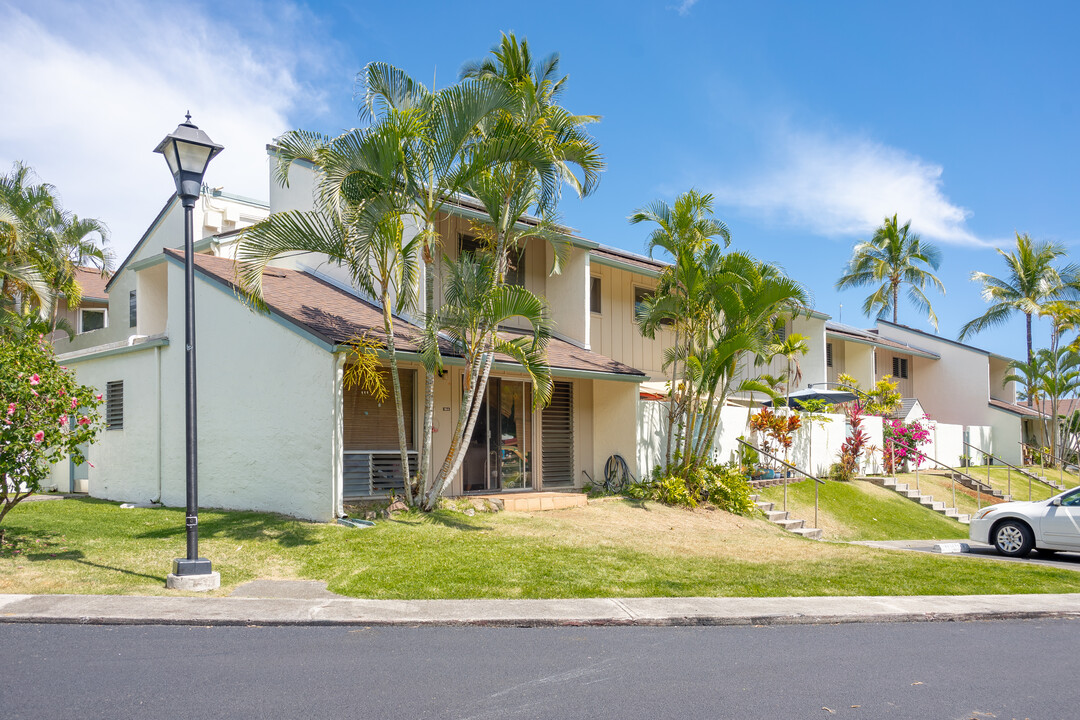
(98, 398)
(39, 436)
(11, 409)
(84, 420)
(35, 379)
(74, 403)
(63, 420)
(34, 393)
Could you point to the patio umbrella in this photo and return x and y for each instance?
(833, 397)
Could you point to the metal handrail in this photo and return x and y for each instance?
(1009, 465)
(817, 480)
(953, 471)
(1060, 460)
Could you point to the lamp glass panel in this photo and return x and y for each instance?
(169, 151)
(193, 158)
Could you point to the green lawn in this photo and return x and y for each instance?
(617, 549)
(860, 510)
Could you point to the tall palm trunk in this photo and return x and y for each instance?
(1030, 355)
(423, 469)
(403, 445)
(895, 300)
(671, 403)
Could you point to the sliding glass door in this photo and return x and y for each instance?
(499, 454)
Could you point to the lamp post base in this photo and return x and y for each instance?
(193, 583)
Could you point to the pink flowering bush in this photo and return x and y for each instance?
(45, 416)
(909, 441)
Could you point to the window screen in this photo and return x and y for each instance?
(132, 310)
(594, 295)
(371, 425)
(92, 320)
(828, 354)
(114, 405)
(899, 367)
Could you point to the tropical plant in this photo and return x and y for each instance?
(681, 302)
(882, 399)
(903, 441)
(45, 414)
(41, 245)
(722, 486)
(851, 449)
(791, 348)
(475, 306)
(1051, 375)
(1032, 282)
(894, 256)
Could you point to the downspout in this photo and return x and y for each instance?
(157, 365)
(338, 443)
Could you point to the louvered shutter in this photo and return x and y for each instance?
(558, 437)
(114, 405)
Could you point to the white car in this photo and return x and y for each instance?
(1015, 528)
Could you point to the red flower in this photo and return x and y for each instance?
(35, 379)
(39, 436)
(84, 420)
(11, 409)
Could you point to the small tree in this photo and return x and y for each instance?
(44, 415)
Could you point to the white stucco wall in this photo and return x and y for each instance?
(813, 362)
(1006, 435)
(652, 434)
(614, 410)
(827, 439)
(568, 295)
(266, 400)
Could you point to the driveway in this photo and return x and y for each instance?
(1066, 560)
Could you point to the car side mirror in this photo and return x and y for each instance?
(1056, 502)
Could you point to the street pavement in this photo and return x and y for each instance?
(977, 550)
(971, 670)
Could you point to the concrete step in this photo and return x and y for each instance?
(790, 524)
(765, 506)
(776, 515)
(812, 533)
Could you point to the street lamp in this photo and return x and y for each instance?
(188, 150)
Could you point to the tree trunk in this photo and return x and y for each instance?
(895, 300)
(403, 445)
(1030, 356)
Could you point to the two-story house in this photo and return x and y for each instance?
(279, 429)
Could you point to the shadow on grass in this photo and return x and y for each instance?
(283, 531)
(77, 556)
(437, 518)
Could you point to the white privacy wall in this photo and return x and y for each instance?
(827, 438)
(652, 434)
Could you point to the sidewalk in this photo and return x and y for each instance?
(162, 610)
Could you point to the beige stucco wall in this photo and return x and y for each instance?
(883, 361)
(613, 332)
(614, 424)
(1006, 435)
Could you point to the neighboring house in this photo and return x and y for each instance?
(92, 311)
(278, 429)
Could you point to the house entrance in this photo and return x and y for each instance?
(499, 455)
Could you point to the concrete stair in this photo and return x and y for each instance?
(784, 519)
(926, 501)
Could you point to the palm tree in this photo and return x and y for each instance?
(791, 349)
(684, 230)
(895, 256)
(1031, 283)
(475, 306)
(364, 197)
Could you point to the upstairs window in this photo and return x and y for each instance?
(133, 318)
(92, 319)
(114, 405)
(640, 296)
(515, 260)
(899, 367)
(594, 295)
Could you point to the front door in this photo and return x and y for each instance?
(499, 454)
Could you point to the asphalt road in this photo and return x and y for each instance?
(1022, 669)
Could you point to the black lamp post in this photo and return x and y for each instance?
(188, 150)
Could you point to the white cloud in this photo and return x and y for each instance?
(846, 186)
(89, 93)
(683, 8)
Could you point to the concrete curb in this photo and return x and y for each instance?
(657, 612)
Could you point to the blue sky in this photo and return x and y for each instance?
(809, 121)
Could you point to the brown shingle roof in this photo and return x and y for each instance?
(337, 316)
(1066, 406)
(92, 283)
(1015, 409)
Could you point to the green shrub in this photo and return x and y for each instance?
(723, 486)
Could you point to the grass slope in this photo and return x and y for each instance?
(860, 510)
(618, 549)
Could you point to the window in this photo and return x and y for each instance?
(594, 295)
(515, 260)
(132, 310)
(114, 405)
(899, 367)
(640, 296)
(92, 319)
(828, 354)
(781, 331)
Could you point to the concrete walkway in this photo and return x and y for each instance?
(322, 610)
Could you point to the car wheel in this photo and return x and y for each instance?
(1012, 538)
